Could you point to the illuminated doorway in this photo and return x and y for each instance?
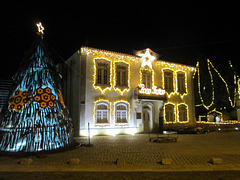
(147, 118)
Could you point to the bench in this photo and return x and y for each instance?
(163, 138)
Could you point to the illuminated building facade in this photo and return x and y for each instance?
(117, 93)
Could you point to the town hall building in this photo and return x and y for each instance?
(113, 93)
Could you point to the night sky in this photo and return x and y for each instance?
(180, 32)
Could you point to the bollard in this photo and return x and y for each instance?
(216, 161)
(74, 161)
(166, 161)
(121, 162)
(26, 161)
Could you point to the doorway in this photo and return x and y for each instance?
(147, 118)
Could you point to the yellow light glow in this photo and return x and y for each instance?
(199, 90)
(177, 106)
(214, 110)
(185, 83)
(175, 82)
(176, 66)
(112, 76)
(121, 90)
(108, 131)
(209, 63)
(239, 87)
(200, 118)
(225, 83)
(40, 28)
(176, 113)
(108, 54)
(141, 74)
(222, 122)
(114, 112)
(102, 89)
(95, 112)
(106, 101)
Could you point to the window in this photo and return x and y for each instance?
(147, 78)
(121, 74)
(169, 113)
(121, 113)
(181, 82)
(102, 113)
(103, 72)
(168, 81)
(182, 113)
(139, 115)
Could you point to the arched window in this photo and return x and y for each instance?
(102, 112)
(121, 113)
(182, 113)
(169, 113)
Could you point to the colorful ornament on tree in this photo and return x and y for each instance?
(45, 97)
(18, 100)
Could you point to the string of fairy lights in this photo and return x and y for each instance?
(112, 58)
(111, 109)
(211, 66)
(176, 114)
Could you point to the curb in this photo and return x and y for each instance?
(77, 168)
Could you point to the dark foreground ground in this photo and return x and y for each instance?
(137, 159)
(217, 175)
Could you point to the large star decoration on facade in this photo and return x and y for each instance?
(147, 58)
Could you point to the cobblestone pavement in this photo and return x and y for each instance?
(137, 152)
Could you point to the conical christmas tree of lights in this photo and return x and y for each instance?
(35, 117)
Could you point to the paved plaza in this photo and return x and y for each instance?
(190, 152)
